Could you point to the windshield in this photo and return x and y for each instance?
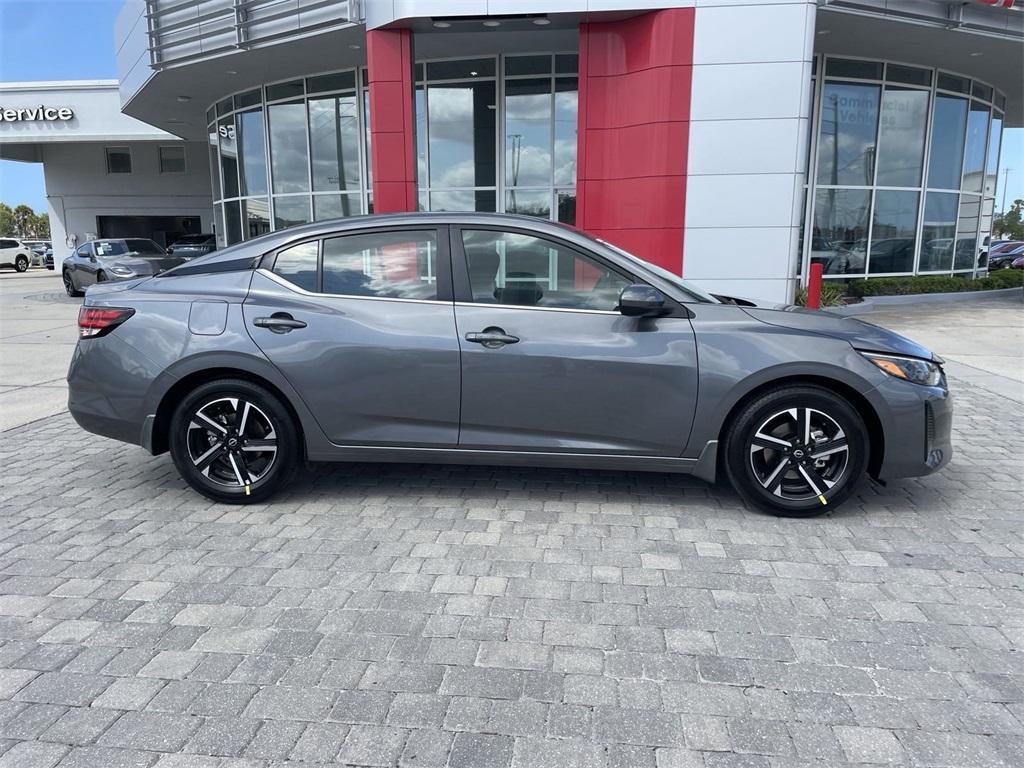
(144, 247)
(697, 294)
(110, 248)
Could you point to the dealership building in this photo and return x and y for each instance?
(731, 141)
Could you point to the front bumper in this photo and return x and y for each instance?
(917, 427)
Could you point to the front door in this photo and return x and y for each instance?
(549, 364)
(363, 327)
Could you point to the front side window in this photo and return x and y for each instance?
(119, 160)
(523, 270)
(395, 265)
(297, 265)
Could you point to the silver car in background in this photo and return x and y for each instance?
(112, 259)
(473, 338)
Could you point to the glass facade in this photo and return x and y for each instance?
(902, 174)
(289, 153)
(496, 133)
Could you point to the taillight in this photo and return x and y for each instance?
(99, 321)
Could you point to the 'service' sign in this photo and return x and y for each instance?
(40, 114)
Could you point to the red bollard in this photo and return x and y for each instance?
(814, 286)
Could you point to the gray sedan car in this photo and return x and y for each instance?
(114, 259)
(488, 339)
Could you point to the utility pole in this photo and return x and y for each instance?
(1006, 176)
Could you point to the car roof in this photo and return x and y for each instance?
(282, 237)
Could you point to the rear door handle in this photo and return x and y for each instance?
(492, 338)
(279, 322)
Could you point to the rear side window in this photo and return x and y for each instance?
(8, 244)
(297, 265)
(397, 265)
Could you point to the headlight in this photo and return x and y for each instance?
(910, 368)
(122, 271)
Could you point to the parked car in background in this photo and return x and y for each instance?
(14, 254)
(469, 338)
(1003, 254)
(192, 246)
(48, 258)
(38, 248)
(101, 260)
(1018, 263)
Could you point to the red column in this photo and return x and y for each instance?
(633, 134)
(392, 119)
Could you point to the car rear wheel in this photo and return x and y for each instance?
(21, 263)
(69, 284)
(796, 451)
(234, 441)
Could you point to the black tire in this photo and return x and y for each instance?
(220, 480)
(20, 263)
(805, 478)
(101, 276)
(69, 285)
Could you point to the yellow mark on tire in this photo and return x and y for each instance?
(820, 498)
(247, 493)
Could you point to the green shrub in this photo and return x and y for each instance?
(832, 294)
(905, 286)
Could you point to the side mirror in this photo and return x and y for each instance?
(641, 301)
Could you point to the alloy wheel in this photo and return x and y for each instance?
(232, 442)
(69, 286)
(799, 454)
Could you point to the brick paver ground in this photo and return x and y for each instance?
(445, 616)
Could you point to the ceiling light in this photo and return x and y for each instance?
(977, 53)
(184, 99)
(542, 22)
(354, 47)
(232, 71)
(442, 24)
(473, 73)
(824, 31)
(492, 23)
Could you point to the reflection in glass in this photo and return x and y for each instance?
(839, 239)
(567, 206)
(846, 149)
(461, 133)
(256, 217)
(966, 251)
(566, 107)
(336, 206)
(218, 225)
(252, 169)
(297, 264)
(232, 223)
(290, 211)
(383, 264)
(937, 232)
(334, 143)
(214, 164)
(992, 165)
(228, 156)
(974, 156)
(529, 202)
(421, 134)
(463, 200)
(893, 230)
(289, 159)
(528, 132)
(947, 142)
(902, 124)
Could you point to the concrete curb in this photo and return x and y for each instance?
(879, 303)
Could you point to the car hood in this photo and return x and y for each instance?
(858, 333)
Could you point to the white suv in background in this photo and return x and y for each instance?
(14, 253)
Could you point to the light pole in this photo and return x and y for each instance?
(1006, 176)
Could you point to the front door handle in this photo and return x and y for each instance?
(492, 338)
(279, 322)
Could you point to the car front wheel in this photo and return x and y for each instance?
(69, 285)
(796, 451)
(234, 441)
(21, 263)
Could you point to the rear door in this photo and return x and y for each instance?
(549, 363)
(363, 326)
